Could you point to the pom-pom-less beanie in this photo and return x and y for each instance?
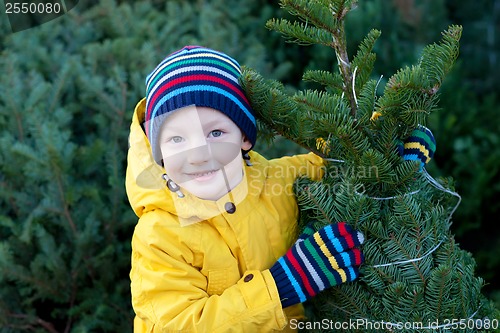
(198, 76)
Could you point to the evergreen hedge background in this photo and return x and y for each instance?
(67, 93)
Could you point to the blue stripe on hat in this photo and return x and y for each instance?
(192, 88)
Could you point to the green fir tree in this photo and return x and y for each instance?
(67, 92)
(414, 271)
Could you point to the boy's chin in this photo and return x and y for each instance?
(207, 195)
(206, 188)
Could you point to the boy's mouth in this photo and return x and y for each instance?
(203, 176)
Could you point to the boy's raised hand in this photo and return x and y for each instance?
(318, 260)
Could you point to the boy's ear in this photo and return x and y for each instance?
(245, 143)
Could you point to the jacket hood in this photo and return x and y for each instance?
(147, 190)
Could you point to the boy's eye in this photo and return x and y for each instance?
(176, 139)
(216, 133)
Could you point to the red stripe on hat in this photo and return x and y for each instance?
(347, 236)
(188, 78)
(302, 274)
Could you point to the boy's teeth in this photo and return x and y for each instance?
(203, 174)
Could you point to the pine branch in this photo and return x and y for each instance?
(277, 110)
(347, 297)
(314, 12)
(328, 29)
(340, 46)
(332, 81)
(412, 269)
(10, 98)
(300, 33)
(28, 322)
(365, 59)
(61, 80)
(438, 59)
(72, 299)
(313, 196)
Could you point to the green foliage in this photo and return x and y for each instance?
(68, 92)
(409, 96)
(64, 220)
(469, 152)
(68, 89)
(466, 135)
(364, 60)
(414, 270)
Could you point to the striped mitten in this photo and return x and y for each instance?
(419, 146)
(317, 261)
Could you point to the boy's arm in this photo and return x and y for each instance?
(169, 294)
(303, 165)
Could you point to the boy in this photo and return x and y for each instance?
(214, 249)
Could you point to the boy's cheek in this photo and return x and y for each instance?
(224, 152)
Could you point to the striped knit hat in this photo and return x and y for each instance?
(198, 76)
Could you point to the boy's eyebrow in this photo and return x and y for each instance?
(213, 122)
(169, 131)
(170, 127)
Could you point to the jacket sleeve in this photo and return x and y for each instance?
(169, 294)
(303, 165)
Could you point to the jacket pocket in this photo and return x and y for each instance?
(221, 279)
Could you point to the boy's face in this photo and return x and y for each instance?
(201, 150)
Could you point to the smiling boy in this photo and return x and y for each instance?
(203, 149)
(210, 253)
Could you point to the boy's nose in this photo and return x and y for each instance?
(198, 155)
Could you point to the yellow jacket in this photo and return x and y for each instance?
(197, 267)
